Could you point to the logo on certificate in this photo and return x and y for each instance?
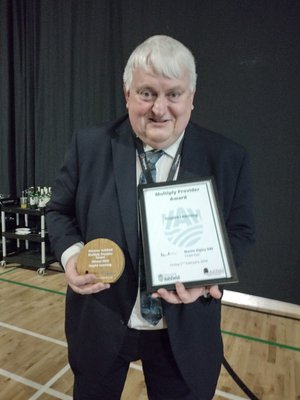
(183, 226)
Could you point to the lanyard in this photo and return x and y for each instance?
(145, 165)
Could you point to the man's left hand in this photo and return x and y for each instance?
(186, 296)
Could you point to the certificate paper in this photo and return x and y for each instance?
(184, 236)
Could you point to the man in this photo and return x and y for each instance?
(95, 196)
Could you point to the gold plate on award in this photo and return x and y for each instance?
(103, 258)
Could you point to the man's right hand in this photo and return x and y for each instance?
(82, 284)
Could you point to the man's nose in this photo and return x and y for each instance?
(160, 105)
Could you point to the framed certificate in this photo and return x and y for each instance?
(184, 236)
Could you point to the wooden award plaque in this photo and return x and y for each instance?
(103, 258)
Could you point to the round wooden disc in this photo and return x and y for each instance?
(103, 258)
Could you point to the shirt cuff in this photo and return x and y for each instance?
(67, 254)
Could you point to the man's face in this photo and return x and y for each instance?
(159, 108)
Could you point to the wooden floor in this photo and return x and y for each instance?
(264, 349)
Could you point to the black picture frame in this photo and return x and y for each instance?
(184, 236)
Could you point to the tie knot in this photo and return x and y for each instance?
(153, 156)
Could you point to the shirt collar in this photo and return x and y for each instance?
(171, 150)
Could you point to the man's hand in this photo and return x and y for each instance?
(186, 296)
(82, 284)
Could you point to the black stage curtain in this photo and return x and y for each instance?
(61, 68)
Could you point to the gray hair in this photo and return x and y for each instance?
(166, 56)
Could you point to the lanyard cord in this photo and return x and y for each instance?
(145, 165)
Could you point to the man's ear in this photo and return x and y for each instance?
(192, 99)
(126, 94)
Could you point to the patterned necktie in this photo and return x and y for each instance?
(152, 157)
(151, 309)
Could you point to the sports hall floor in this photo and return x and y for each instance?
(263, 348)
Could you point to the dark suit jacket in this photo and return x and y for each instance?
(94, 196)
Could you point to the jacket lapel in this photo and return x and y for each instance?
(194, 161)
(124, 164)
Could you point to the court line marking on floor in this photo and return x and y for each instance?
(229, 396)
(136, 366)
(34, 334)
(41, 389)
(226, 395)
(32, 286)
(47, 386)
(251, 338)
(7, 270)
(223, 394)
(34, 385)
(264, 341)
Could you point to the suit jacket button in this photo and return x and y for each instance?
(122, 321)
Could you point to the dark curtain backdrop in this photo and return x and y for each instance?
(61, 65)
